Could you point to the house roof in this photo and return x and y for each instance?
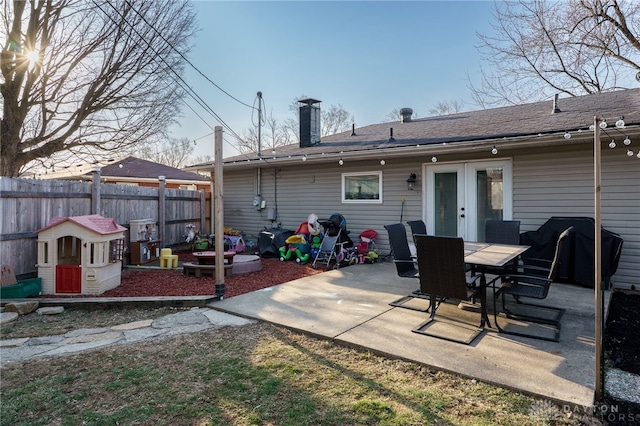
(533, 121)
(132, 167)
(95, 222)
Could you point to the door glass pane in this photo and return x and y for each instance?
(446, 204)
(490, 203)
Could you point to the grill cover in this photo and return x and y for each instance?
(577, 258)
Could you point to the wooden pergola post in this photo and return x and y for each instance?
(219, 214)
(597, 259)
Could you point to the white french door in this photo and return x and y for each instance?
(460, 197)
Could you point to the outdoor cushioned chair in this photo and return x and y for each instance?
(528, 285)
(442, 276)
(405, 263)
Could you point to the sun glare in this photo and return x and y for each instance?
(32, 56)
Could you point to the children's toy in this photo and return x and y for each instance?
(313, 225)
(367, 250)
(316, 242)
(297, 248)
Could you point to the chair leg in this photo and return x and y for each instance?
(556, 324)
(559, 312)
(434, 303)
(399, 303)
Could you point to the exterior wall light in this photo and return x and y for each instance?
(411, 181)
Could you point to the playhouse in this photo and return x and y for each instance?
(80, 255)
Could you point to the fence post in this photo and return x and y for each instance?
(161, 208)
(203, 206)
(95, 190)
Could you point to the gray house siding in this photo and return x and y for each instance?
(546, 183)
(299, 191)
(561, 184)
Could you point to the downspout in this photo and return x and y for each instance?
(259, 177)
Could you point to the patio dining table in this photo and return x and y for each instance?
(489, 254)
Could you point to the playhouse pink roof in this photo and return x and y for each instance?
(94, 222)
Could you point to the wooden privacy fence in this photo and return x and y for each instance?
(27, 205)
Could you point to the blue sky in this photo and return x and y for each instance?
(367, 56)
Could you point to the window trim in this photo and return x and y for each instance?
(344, 177)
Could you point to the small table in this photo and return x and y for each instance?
(209, 257)
(488, 254)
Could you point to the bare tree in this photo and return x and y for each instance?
(335, 120)
(395, 115)
(88, 79)
(446, 107)
(170, 152)
(201, 159)
(272, 135)
(540, 48)
(280, 133)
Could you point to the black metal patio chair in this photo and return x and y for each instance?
(500, 232)
(528, 285)
(442, 276)
(417, 227)
(404, 262)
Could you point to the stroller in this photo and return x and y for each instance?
(334, 243)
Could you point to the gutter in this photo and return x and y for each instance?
(519, 142)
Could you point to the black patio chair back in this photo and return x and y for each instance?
(405, 264)
(527, 285)
(441, 266)
(442, 275)
(417, 227)
(502, 231)
(400, 250)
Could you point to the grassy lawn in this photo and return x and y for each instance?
(257, 374)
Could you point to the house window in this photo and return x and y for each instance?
(363, 187)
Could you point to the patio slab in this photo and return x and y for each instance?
(351, 306)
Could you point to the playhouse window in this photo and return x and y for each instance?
(363, 187)
(44, 253)
(92, 253)
(116, 250)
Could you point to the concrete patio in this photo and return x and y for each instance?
(351, 306)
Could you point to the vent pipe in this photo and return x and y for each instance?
(353, 129)
(391, 138)
(556, 109)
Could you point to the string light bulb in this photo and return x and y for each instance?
(603, 124)
(494, 150)
(629, 153)
(304, 158)
(620, 122)
(434, 159)
(612, 144)
(382, 162)
(627, 141)
(340, 162)
(567, 135)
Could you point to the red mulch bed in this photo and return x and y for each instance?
(165, 282)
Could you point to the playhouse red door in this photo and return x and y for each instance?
(68, 279)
